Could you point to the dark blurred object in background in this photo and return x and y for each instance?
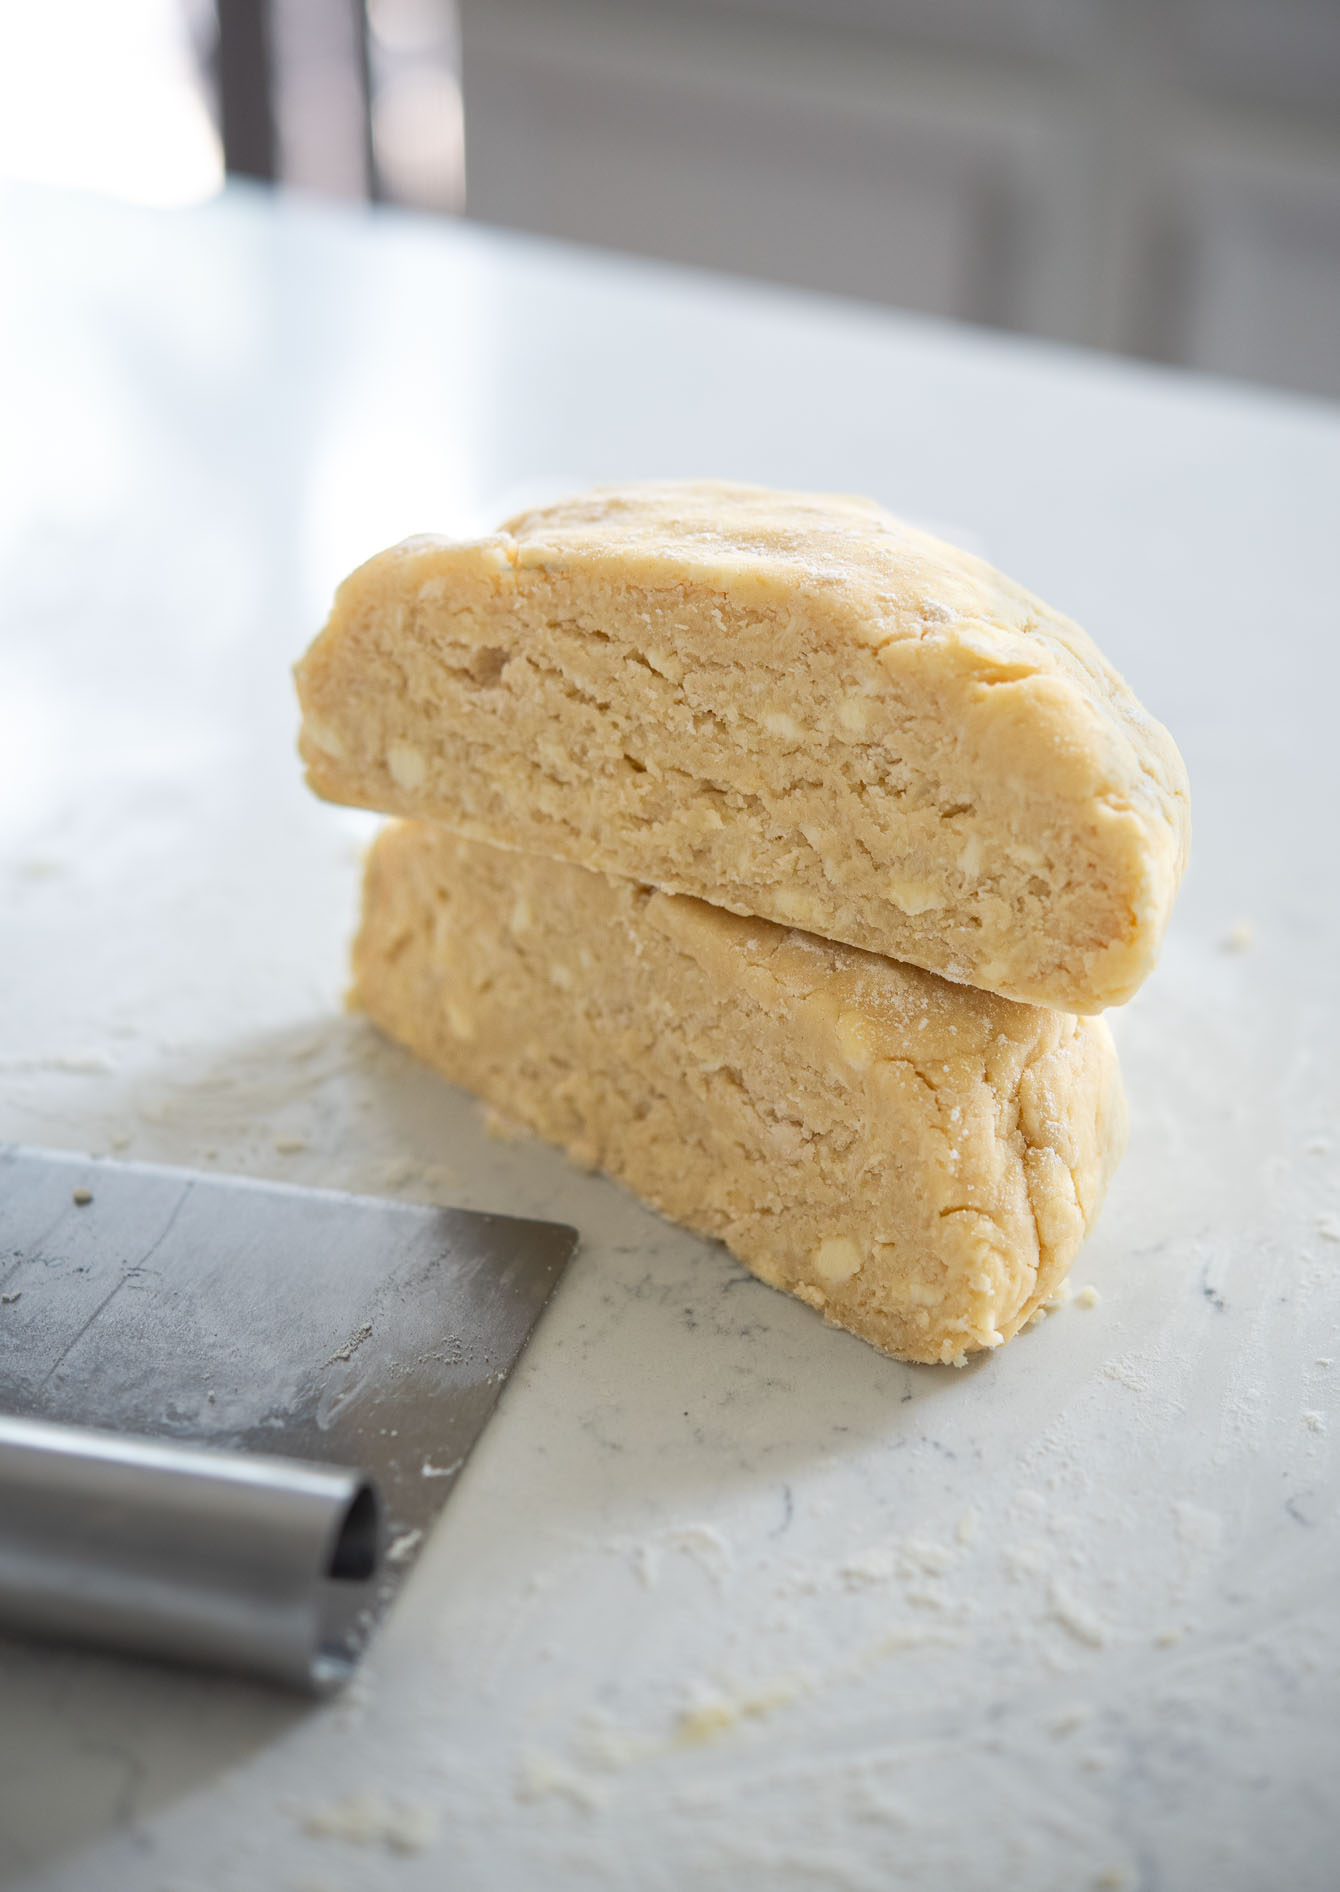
(417, 124)
(343, 97)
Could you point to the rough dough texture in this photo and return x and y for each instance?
(917, 1160)
(790, 705)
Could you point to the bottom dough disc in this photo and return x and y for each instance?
(918, 1161)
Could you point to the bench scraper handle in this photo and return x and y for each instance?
(147, 1546)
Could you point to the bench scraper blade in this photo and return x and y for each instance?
(229, 1411)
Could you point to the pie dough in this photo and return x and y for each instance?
(917, 1160)
(790, 705)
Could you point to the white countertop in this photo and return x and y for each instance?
(724, 1598)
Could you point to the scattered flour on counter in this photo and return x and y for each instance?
(609, 1748)
(366, 1819)
(1127, 1373)
(1023, 1562)
(705, 1545)
(39, 867)
(906, 1638)
(71, 1063)
(701, 1544)
(356, 1695)
(867, 1568)
(645, 1564)
(1076, 1617)
(86, 1063)
(545, 1777)
(711, 1713)
(697, 1797)
(402, 1547)
(1196, 1527)
(211, 1083)
(922, 1556)
(911, 1559)
(707, 1721)
(351, 1345)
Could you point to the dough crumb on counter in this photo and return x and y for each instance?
(369, 1819)
(1077, 1618)
(543, 1776)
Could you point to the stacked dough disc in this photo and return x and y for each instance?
(644, 738)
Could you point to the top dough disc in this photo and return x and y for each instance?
(792, 705)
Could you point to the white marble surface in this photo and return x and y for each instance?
(724, 1598)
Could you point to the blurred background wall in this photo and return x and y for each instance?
(1156, 177)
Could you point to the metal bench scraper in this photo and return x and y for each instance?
(230, 1411)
